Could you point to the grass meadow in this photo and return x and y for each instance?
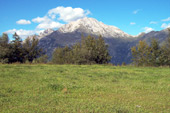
(43, 88)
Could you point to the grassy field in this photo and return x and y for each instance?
(84, 88)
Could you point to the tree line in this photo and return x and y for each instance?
(90, 50)
(17, 50)
(151, 55)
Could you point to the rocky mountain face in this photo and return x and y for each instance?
(42, 34)
(93, 27)
(45, 33)
(119, 42)
(159, 35)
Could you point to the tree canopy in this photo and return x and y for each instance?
(89, 51)
(153, 55)
(18, 51)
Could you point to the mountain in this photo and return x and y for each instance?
(45, 33)
(119, 42)
(94, 27)
(42, 34)
(159, 35)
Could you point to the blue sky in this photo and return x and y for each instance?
(27, 17)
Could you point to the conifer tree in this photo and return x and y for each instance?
(31, 49)
(4, 48)
(17, 51)
(155, 53)
(102, 54)
(165, 55)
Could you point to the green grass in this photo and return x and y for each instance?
(84, 88)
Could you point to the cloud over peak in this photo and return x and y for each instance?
(68, 14)
(148, 29)
(167, 19)
(50, 24)
(56, 16)
(23, 33)
(46, 22)
(164, 25)
(53, 19)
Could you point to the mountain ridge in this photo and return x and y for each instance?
(95, 27)
(119, 42)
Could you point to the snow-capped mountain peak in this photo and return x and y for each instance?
(41, 34)
(92, 26)
(46, 32)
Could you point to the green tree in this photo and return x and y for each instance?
(31, 49)
(4, 48)
(88, 48)
(155, 53)
(78, 55)
(41, 59)
(102, 54)
(62, 55)
(165, 52)
(141, 54)
(17, 51)
(4, 39)
(165, 55)
(89, 51)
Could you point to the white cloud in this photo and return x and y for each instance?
(51, 24)
(164, 25)
(52, 19)
(153, 22)
(40, 19)
(68, 14)
(23, 22)
(168, 19)
(136, 11)
(54, 16)
(46, 22)
(148, 29)
(12, 31)
(132, 23)
(23, 33)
